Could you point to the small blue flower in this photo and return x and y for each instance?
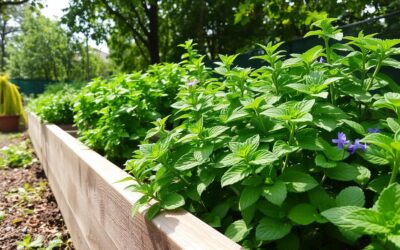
(192, 83)
(341, 140)
(321, 60)
(357, 145)
(374, 130)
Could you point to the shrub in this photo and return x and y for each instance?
(55, 105)
(263, 155)
(114, 115)
(10, 100)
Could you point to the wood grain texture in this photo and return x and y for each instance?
(97, 210)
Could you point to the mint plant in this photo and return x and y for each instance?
(381, 221)
(114, 115)
(263, 154)
(55, 105)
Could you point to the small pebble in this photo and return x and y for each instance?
(24, 230)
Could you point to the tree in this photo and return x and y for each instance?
(285, 20)
(42, 50)
(138, 20)
(9, 3)
(9, 24)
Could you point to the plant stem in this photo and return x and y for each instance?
(235, 190)
(292, 128)
(323, 178)
(328, 59)
(378, 67)
(363, 67)
(395, 169)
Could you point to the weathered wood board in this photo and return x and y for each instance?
(97, 210)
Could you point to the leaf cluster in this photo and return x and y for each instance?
(114, 115)
(250, 151)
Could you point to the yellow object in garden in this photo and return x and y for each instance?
(11, 100)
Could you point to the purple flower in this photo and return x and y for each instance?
(341, 140)
(192, 83)
(374, 130)
(357, 145)
(321, 60)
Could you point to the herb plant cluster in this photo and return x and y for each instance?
(55, 105)
(114, 115)
(303, 150)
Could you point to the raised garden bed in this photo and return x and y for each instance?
(97, 209)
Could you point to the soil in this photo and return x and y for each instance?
(29, 205)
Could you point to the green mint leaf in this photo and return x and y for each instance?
(263, 157)
(379, 140)
(237, 231)
(186, 162)
(172, 201)
(153, 211)
(297, 181)
(342, 172)
(351, 196)
(235, 174)
(276, 194)
(248, 197)
(303, 214)
(388, 203)
(272, 229)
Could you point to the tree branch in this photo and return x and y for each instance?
(125, 20)
(3, 3)
(141, 24)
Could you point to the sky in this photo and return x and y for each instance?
(53, 9)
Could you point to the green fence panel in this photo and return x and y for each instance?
(31, 87)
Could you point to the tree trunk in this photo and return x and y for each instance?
(153, 45)
(3, 46)
(87, 59)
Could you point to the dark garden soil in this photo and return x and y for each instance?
(28, 204)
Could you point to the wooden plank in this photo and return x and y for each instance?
(98, 209)
(34, 129)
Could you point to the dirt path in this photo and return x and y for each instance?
(27, 206)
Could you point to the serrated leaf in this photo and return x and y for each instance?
(342, 172)
(351, 196)
(186, 162)
(203, 154)
(297, 181)
(334, 153)
(153, 211)
(365, 221)
(263, 157)
(235, 174)
(379, 140)
(248, 197)
(230, 160)
(237, 231)
(276, 194)
(139, 204)
(337, 215)
(395, 239)
(375, 155)
(303, 214)
(216, 131)
(388, 203)
(320, 198)
(393, 124)
(379, 183)
(272, 229)
(356, 127)
(172, 201)
(321, 161)
(281, 148)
